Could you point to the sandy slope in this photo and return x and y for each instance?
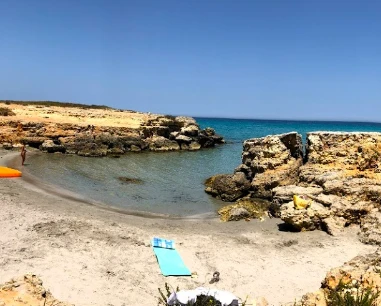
(87, 255)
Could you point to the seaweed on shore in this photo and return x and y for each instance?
(130, 180)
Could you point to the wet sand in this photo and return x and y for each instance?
(90, 255)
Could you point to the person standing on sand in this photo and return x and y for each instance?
(23, 154)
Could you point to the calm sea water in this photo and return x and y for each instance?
(172, 183)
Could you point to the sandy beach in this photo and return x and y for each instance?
(89, 255)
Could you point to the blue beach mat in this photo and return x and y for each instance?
(169, 259)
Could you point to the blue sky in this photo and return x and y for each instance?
(281, 59)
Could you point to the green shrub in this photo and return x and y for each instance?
(345, 295)
(5, 111)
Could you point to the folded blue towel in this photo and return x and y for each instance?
(163, 243)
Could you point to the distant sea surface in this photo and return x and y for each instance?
(171, 183)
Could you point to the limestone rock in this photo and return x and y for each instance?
(370, 230)
(360, 274)
(7, 146)
(227, 187)
(273, 161)
(304, 219)
(160, 143)
(27, 290)
(286, 193)
(190, 130)
(334, 225)
(50, 147)
(244, 208)
(183, 139)
(359, 189)
(135, 148)
(193, 146)
(311, 299)
(210, 131)
(73, 136)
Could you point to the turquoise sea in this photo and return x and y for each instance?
(172, 183)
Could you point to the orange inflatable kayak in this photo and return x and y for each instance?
(9, 172)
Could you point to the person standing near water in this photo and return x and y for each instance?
(23, 154)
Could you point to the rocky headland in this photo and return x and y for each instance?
(338, 172)
(98, 131)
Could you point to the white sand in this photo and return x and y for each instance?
(87, 255)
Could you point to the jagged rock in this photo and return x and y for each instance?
(244, 208)
(360, 274)
(263, 183)
(238, 213)
(186, 121)
(318, 175)
(359, 189)
(193, 146)
(245, 169)
(27, 290)
(7, 146)
(34, 142)
(311, 299)
(273, 161)
(140, 132)
(210, 131)
(134, 148)
(115, 151)
(50, 147)
(92, 150)
(160, 143)
(346, 148)
(183, 139)
(190, 130)
(370, 230)
(173, 135)
(327, 199)
(304, 219)
(285, 193)
(227, 187)
(334, 225)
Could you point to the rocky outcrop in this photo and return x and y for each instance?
(339, 173)
(353, 280)
(245, 209)
(27, 290)
(345, 167)
(271, 161)
(228, 187)
(370, 230)
(267, 162)
(283, 194)
(149, 133)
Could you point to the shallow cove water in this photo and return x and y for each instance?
(172, 182)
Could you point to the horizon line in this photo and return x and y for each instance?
(292, 120)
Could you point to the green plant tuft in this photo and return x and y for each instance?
(345, 295)
(5, 111)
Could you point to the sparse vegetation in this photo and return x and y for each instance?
(55, 103)
(5, 111)
(349, 295)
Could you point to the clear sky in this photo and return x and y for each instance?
(283, 59)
